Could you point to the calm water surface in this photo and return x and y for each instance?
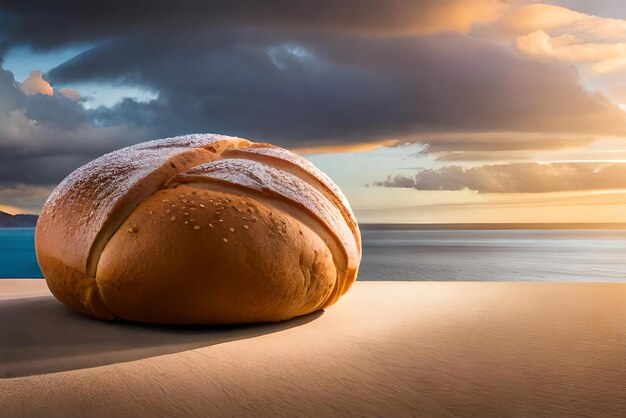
(510, 255)
(513, 255)
(17, 253)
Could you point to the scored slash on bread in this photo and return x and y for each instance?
(115, 209)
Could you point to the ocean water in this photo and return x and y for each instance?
(17, 253)
(509, 255)
(504, 255)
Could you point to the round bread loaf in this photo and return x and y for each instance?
(198, 229)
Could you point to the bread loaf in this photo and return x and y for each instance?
(198, 229)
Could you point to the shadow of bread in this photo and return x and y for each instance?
(39, 335)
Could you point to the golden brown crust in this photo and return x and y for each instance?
(111, 245)
(242, 261)
(298, 166)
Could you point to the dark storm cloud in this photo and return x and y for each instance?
(45, 24)
(307, 90)
(517, 178)
(10, 96)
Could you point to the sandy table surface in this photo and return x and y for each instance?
(386, 349)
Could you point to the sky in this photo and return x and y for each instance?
(422, 111)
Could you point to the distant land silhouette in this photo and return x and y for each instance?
(17, 221)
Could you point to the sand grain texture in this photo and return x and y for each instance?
(386, 349)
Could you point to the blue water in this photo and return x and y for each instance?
(513, 255)
(17, 253)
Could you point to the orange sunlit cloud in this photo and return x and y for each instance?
(459, 15)
(548, 31)
(70, 94)
(366, 146)
(13, 210)
(35, 84)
